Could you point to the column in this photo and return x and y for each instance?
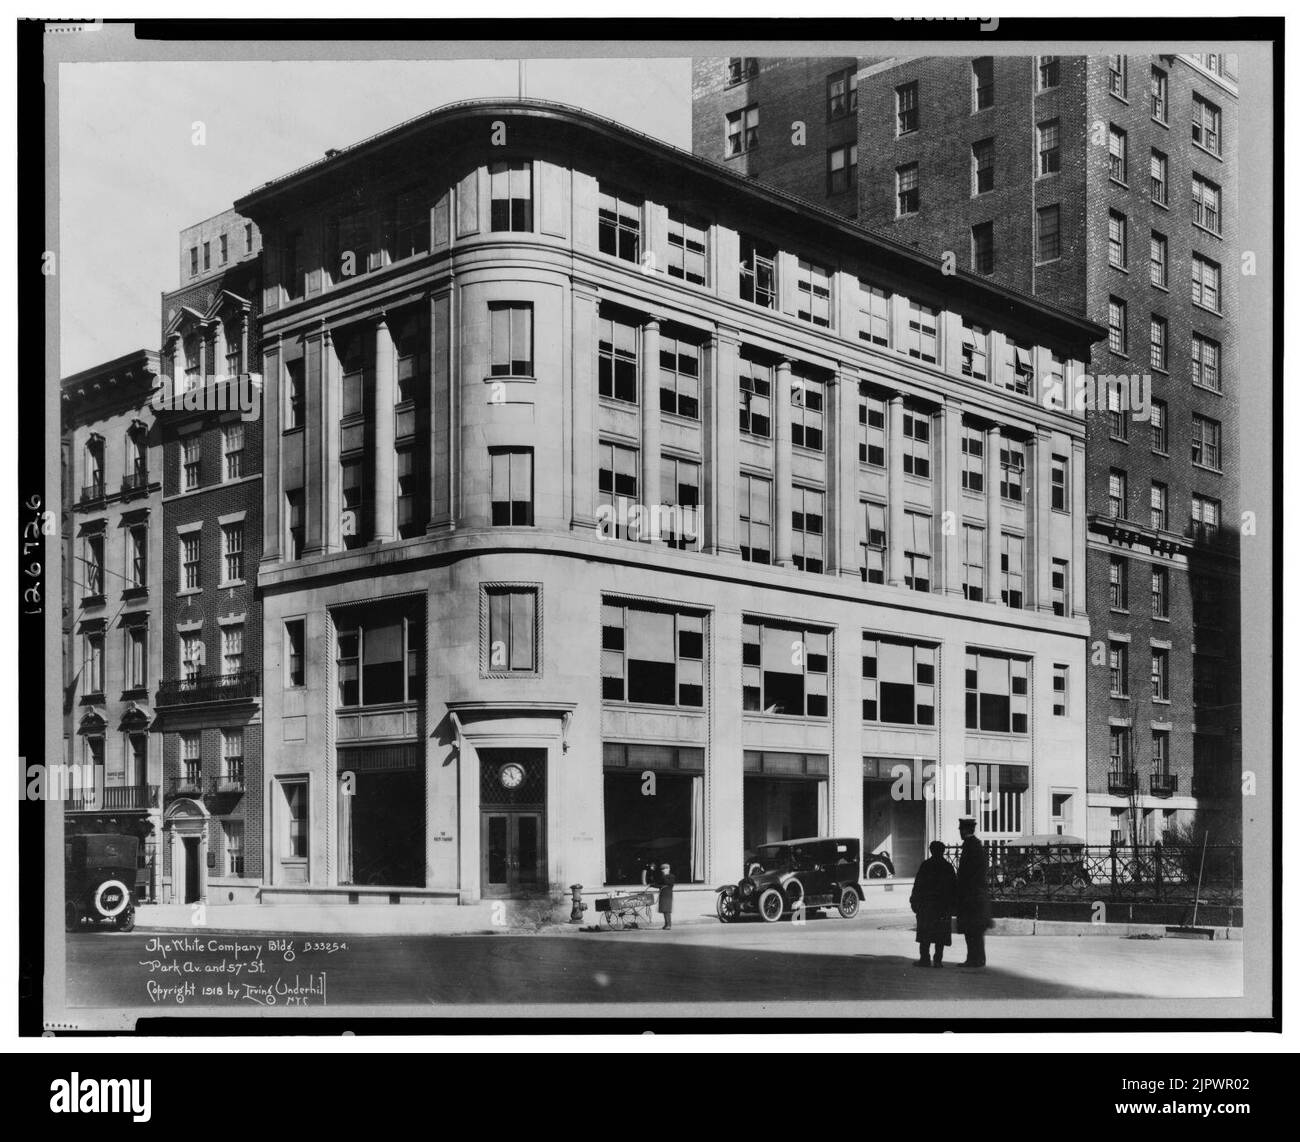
(1040, 529)
(330, 476)
(950, 534)
(721, 398)
(584, 433)
(650, 435)
(781, 466)
(245, 351)
(894, 572)
(993, 482)
(1078, 530)
(176, 353)
(385, 456)
(272, 398)
(315, 444)
(843, 474)
(217, 366)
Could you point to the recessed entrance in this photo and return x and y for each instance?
(513, 826)
(191, 847)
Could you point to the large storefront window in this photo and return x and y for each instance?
(381, 812)
(785, 670)
(380, 653)
(654, 811)
(651, 655)
(785, 798)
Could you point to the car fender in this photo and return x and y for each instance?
(734, 889)
(790, 879)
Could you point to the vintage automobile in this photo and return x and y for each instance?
(1045, 858)
(99, 876)
(809, 873)
(879, 866)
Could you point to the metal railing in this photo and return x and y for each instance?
(93, 491)
(134, 482)
(1164, 784)
(114, 798)
(1121, 782)
(238, 686)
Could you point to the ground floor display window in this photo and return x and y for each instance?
(785, 797)
(381, 816)
(654, 812)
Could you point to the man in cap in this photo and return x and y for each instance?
(974, 915)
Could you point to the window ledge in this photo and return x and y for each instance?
(1160, 122)
(231, 583)
(1207, 389)
(1206, 151)
(1206, 309)
(1207, 468)
(521, 378)
(189, 591)
(1206, 230)
(1162, 701)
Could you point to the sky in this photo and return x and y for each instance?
(131, 178)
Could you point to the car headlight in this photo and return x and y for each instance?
(746, 888)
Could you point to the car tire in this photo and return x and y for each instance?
(126, 921)
(849, 903)
(728, 908)
(71, 916)
(771, 905)
(878, 870)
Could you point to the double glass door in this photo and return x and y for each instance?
(514, 858)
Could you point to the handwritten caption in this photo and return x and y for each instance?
(228, 970)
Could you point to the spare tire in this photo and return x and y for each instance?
(111, 898)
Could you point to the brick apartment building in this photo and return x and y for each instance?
(112, 601)
(1106, 186)
(544, 529)
(209, 696)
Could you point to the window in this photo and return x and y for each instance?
(916, 443)
(294, 518)
(898, 681)
(1118, 583)
(873, 313)
(871, 431)
(1205, 283)
(1159, 177)
(295, 391)
(1205, 204)
(679, 488)
(1054, 390)
(380, 651)
(972, 562)
(411, 348)
(138, 556)
(232, 447)
(784, 670)
(679, 377)
(755, 505)
(1012, 460)
(1060, 484)
(841, 93)
(1159, 260)
(1116, 414)
(972, 459)
(841, 168)
(291, 275)
(755, 398)
(190, 446)
(981, 162)
(191, 547)
(94, 561)
(352, 246)
(620, 225)
(618, 364)
(922, 331)
(651, 656)
(757, 272)
(1205, 124)
(1117, 324)
(1160, 674)
(982, 82)
(875, 542)
(974, 352)
(997, 693)
(981, 247)
(808, 399)
(1060, 587)
(742, 130)
(688, 247)
(224, 250)
(1206, 436)
(1119, 670)
(1118, 68)
(814, 289)
(232, 756)
(1117, 493)
(94, 463)
(409, 224)
(1019, 362)
(1049, 233)
(296, 819)
(1013, 570)
(232, 650)
(1118, 240)
(1159, 440)
(1160, 751)
(1049, 147)
(512, 338)
(908, 187)
(93, 667)
(1159, 96)
(1121, 755)
(234, 351)
(352, 482)
(232, 551)
(194, 261)
(1049, 72)
(512, 630)
(1118, 155)
(1159, 339)
(207, 256)
(511, 186)
(191, 758)
(906, 108)
(233, 832)
(1159, 592)
(295, 641)
(512, 487)
(741, 68)
(618, 483)
(1159, 505)
(1060, 690)
(1205, 362)
(806, 517)
(1205, 681)
(248, 237)
(916, 551)
(192, 657)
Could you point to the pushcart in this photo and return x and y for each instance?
(632, 911)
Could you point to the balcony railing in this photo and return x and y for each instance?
(1121, 782)
(1164, 784)
(134, 483)
(115, 798)
(184, 787)
(92, 491)
(240, 686)
(223, 785)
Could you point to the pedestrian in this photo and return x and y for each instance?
(934, 899)
(974, 916)
(665, 880)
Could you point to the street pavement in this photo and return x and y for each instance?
(825, 966)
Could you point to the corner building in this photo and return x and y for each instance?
(494, 338)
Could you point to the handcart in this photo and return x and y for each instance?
(635, 910)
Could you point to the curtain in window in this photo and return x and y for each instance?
(345, 836)
(697, 828)
(823, 808)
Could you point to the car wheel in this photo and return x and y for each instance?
(1079, 882)
(771, 905)
(849, 903)
(878, 870)
(71, 916)
(728, 908)
(126, 921)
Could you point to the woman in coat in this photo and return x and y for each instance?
(934, 898)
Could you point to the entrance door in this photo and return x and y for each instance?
(514, 858)
(191, 868)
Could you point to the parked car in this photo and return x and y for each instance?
(1045, 858)
(99, 877)
(812, 872)
(879, 866)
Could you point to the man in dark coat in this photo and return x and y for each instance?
(934, 899)
(974, 915)
(665, 880)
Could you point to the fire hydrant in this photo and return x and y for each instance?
(575, 916)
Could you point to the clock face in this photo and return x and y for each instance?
(512, 774)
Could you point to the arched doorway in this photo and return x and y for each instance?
(185, 832)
